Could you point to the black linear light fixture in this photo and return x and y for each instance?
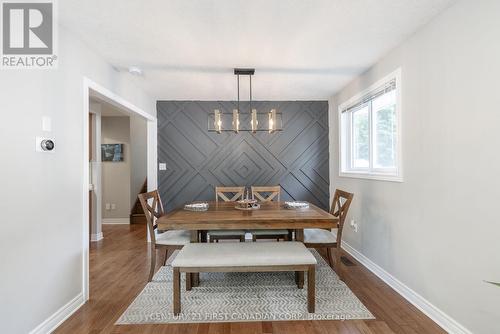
(217, 120)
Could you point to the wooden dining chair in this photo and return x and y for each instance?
(331, 239)
(228, 194)
(168, 240)
(268, 194)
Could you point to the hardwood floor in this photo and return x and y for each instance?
(119, 271)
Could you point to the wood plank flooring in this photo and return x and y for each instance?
(119, 271)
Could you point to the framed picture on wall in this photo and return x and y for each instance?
(112, 152)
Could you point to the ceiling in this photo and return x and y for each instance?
(107, 109)
(301, 49)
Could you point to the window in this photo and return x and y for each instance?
(370, 134)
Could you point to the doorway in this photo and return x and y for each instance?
(129, 153)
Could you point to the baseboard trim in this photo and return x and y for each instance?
(442, 319)
(96, 236)
(56, 319)
(116, 220)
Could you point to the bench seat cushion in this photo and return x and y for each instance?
(174, 238)
(269, 232)
(243, 254)
(222, 233)
(320, 236)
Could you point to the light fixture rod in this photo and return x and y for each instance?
(238, 78)
(250, 93)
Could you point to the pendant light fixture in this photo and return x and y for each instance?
(218, 118)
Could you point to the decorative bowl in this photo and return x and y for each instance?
(247, 204)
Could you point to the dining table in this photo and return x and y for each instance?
(225, 216)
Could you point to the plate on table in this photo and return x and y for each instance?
(196, 206)
(295, 205)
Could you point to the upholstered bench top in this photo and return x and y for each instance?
(243, 254)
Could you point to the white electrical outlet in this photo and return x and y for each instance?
(163, 166)
(108, 206)
(113, 206)
(354, 225)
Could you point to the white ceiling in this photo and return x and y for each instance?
(107, 109)
(301, 49)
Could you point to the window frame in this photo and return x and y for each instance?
(346, 168)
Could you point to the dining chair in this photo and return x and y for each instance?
(228, 194)
(329, 239)
(168, 240)
(268, 194)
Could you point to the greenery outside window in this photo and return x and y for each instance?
(370, 132)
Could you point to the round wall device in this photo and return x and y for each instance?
(47, 145)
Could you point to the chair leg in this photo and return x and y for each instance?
(299, 279)
(177, 291)
(195, 279)
(338, 264)
(203, 236)
(311, 289)
(166, 257)
(153, 263)
(254, 238)
(189, 284)
(329, 256)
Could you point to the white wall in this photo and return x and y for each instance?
(138, 155)
(41, 198)
(95, 178)
(116, 175)
(438, 231)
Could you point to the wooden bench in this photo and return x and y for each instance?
(244, 257)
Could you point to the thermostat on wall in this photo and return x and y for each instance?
(45, 144)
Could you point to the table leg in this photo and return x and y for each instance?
(311, 289)
(299, 275)
(299, 235)
(195, 277)
(203, 236)
(176, 291)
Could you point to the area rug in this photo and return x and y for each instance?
(232, 297)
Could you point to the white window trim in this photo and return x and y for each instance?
(343, 155)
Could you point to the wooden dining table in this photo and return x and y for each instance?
(224, 216)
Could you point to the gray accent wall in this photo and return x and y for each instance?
(296, 158)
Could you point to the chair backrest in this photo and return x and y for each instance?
(340, 206)
(234, 193)
(273, 193)
(151, 211)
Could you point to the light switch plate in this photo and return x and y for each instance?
(46, 124)
(163, 166)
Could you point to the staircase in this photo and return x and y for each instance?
(137, 215)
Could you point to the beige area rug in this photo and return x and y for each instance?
(231, 297)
